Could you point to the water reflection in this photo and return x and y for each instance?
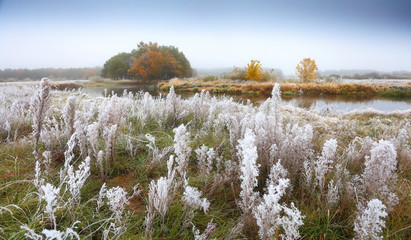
(338, 103)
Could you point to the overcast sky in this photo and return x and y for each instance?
(338, 34)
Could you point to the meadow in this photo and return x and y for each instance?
(136, 166)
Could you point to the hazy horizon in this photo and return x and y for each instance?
(368, 34)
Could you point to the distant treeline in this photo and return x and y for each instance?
(377, 75)
(363, 74)
(53, 73)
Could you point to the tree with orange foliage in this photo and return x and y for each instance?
(305, 70)
(148, 66)
(153, 62)
(254, 71)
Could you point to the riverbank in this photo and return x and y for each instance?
(99, 82)
(289, 88)
(390, 88)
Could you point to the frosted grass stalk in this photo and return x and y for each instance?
(380, 173)
(39, 105)
(160, 196)
(92, 137)
(211, 228)
(109, 134)
(323, 163)
(269, 213)
(50, 194)
(247, 152)
(117, 200)
(76, 179)
(369, 222)
(181, 148)
(69, 112)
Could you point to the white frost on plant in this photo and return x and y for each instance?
(205, 158)
(181, 148)
(37, 179)
(276, 173)
(160, 196)
(211, 228)
(117, 201)
(295, 146)
(192, 197)
(46, 160)
(269, 213)
(290, 222)
(101, 195)
(31, 234)
(39, 105)
(156, 154)
(50, 194)
(76, 179)
(92, 137)
(380, 173)
(324, 162)
(52, 234)
(81, 123)
(100, 163)
(369, 222)
(332, 194)
(308, 173)
(69, 112)
(53, 133)
(247, 152)
(68, 155)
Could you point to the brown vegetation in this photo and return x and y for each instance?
(288, 89)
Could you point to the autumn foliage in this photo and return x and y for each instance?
(152, 62)
(254, 71)
(305, 70)
(148, 62)
(155, 65)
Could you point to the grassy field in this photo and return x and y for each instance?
(140, 167)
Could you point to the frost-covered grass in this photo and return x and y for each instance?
(142, 167)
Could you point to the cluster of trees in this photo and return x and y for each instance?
(36, 74)
(148, 62)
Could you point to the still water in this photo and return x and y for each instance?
(333, 103)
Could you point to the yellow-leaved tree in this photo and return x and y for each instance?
(254, 71)
(306, 70)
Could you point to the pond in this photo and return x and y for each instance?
(333, 103)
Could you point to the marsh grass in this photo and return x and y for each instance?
(288, 88)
